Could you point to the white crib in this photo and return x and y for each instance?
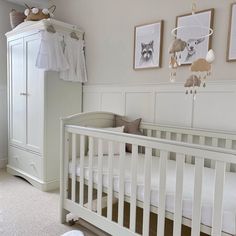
(185, 175)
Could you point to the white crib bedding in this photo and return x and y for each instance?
(229, 215)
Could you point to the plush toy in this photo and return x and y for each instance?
(36, 14)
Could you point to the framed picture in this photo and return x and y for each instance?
(231, 54)
(195, 26)
(148, 45)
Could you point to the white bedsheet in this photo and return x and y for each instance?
(229, 205)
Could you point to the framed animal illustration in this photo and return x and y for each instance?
(231, 52)
(192, 28)
(148, 45)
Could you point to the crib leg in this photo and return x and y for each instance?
(63, 215)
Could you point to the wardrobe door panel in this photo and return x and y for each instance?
(17, 93)
(35, 95)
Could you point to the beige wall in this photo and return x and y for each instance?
(109, 27)
(5, 8)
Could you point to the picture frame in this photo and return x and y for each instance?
(231, 47)
(197, 46)
(148, 40)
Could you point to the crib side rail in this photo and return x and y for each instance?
(212, 138)
(94, 213)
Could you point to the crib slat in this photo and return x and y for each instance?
(149, 133)
(214, 144)
(90, 180)
(218, 198)
(228, 145)
(82, 142)
(121, 184)
(162, 193)
(73, 172)
(147, 190)
(99, 190)
(158, 135)
(196, 221)
(133, 199)
(202, 140)
(179, 137)
(168, 135)
(178, 194)
(66, 163)
(110, 180)
(189, 140)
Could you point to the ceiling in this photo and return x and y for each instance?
(36, 3)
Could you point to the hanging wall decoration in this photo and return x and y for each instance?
(191, 47)
(195, 29)
(231, 55)
(148, 46)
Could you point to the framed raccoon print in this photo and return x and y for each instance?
(148, 45)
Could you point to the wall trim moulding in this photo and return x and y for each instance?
(167, 104)
(210, 82)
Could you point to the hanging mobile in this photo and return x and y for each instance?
(201, 68)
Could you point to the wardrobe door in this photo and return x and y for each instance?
(35, 95)
(17, 93)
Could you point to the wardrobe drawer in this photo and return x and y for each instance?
(30, 163)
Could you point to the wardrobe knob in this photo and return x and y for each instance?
(23, 94)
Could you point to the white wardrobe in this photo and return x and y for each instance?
(36, 101)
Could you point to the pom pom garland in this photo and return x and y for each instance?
(35, 10)
(27, 12)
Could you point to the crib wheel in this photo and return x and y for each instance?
(71, 222)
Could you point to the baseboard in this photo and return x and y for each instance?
(38, 183)
(3, 163)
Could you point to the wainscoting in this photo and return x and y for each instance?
(213, 108)
(3, 127)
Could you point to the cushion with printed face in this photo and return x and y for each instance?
(131, 127)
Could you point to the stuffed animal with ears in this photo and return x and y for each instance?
(36, 14)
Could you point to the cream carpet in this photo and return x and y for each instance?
(26, 211)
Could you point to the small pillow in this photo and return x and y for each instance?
(131, 127)
(116, 146)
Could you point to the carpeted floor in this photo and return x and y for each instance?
(26, 211)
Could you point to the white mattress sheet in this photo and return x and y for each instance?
(229, 204)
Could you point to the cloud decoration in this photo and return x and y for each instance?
(177, 45)
(200, 65)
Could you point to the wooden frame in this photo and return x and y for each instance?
(159, 58)
(228, 59)
(91, 209)
(211, 10)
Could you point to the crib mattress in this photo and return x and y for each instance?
(229, 204)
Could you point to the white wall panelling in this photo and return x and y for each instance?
(167, 103)
(3, 127)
